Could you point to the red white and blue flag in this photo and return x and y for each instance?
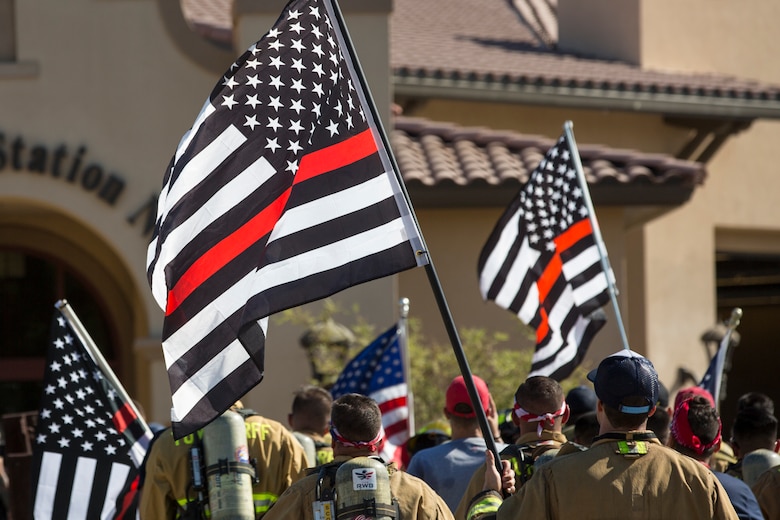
(542, 263)
(89, 443)
(378, 372)
(282, 193)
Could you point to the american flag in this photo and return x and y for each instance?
(378, 372)
(542, 263)
(88, 443)
(282, 193)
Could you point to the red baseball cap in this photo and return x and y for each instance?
(458, 402)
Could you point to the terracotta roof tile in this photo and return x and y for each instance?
(432, 154)
(489, 41)
(504, 44)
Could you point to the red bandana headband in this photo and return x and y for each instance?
(544, 419)
(372, 445)
(681, 430)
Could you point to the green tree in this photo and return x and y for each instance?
(432, 364)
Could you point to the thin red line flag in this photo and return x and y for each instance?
(542, 263)
(282, 193)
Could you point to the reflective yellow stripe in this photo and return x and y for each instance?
(484, 506)
(184, 503)
(263, 501)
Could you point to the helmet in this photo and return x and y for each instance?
(756, 462)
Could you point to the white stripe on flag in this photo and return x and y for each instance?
(498, 255)
(197, 386)
(82, 488)
(194, 172)
(116, 482)
(330, 256)
(205, 111)
(568, 353)
(344, 202)
(526, 258)
(47, 485)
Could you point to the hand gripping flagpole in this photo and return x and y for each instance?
(94, 352)
(449, 324)
(568, 130)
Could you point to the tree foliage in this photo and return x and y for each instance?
(432, 364)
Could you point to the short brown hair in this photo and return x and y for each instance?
(356, 417)
(540, 395)
(311, 408)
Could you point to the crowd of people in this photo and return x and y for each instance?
(616, 449)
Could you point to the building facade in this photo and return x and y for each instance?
(95, 95)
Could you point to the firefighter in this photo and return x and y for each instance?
(174, 487)
(357, 437)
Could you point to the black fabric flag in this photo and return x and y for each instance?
(88, 442)
(542, 263)
(282, 193)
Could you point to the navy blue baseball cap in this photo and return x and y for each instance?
(625, 375)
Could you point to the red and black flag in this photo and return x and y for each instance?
(542, 263)
(89, 443)
(281, 193)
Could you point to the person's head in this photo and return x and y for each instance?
(692, 391)
(430, 435)
(356, 425)
(626, 384)
(586, 428)
(695, 429)
(753, 429)
(756, 400)
(458, 407)
(311, 410)
(540, 404)
(659, 423)
(581, 400)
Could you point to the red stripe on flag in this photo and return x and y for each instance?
(396, 428)
(336, 156)
(392, 404)
(226, 250)
(123, 417)
(551, 273)
(574, 234)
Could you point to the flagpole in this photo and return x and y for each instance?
(720, 364)
(89, 345)
(430, 270)
(568, 130)
(404, 345)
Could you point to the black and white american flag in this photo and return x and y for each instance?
(542, 263)
(282, 193)
(88, 442)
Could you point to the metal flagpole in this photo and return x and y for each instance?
(98, 358)
(433, 278)
(567, 128)
(403, 342)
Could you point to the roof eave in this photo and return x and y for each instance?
(587, 98)
(447, 195)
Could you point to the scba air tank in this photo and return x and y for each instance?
(228, 471)
(363, 491)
